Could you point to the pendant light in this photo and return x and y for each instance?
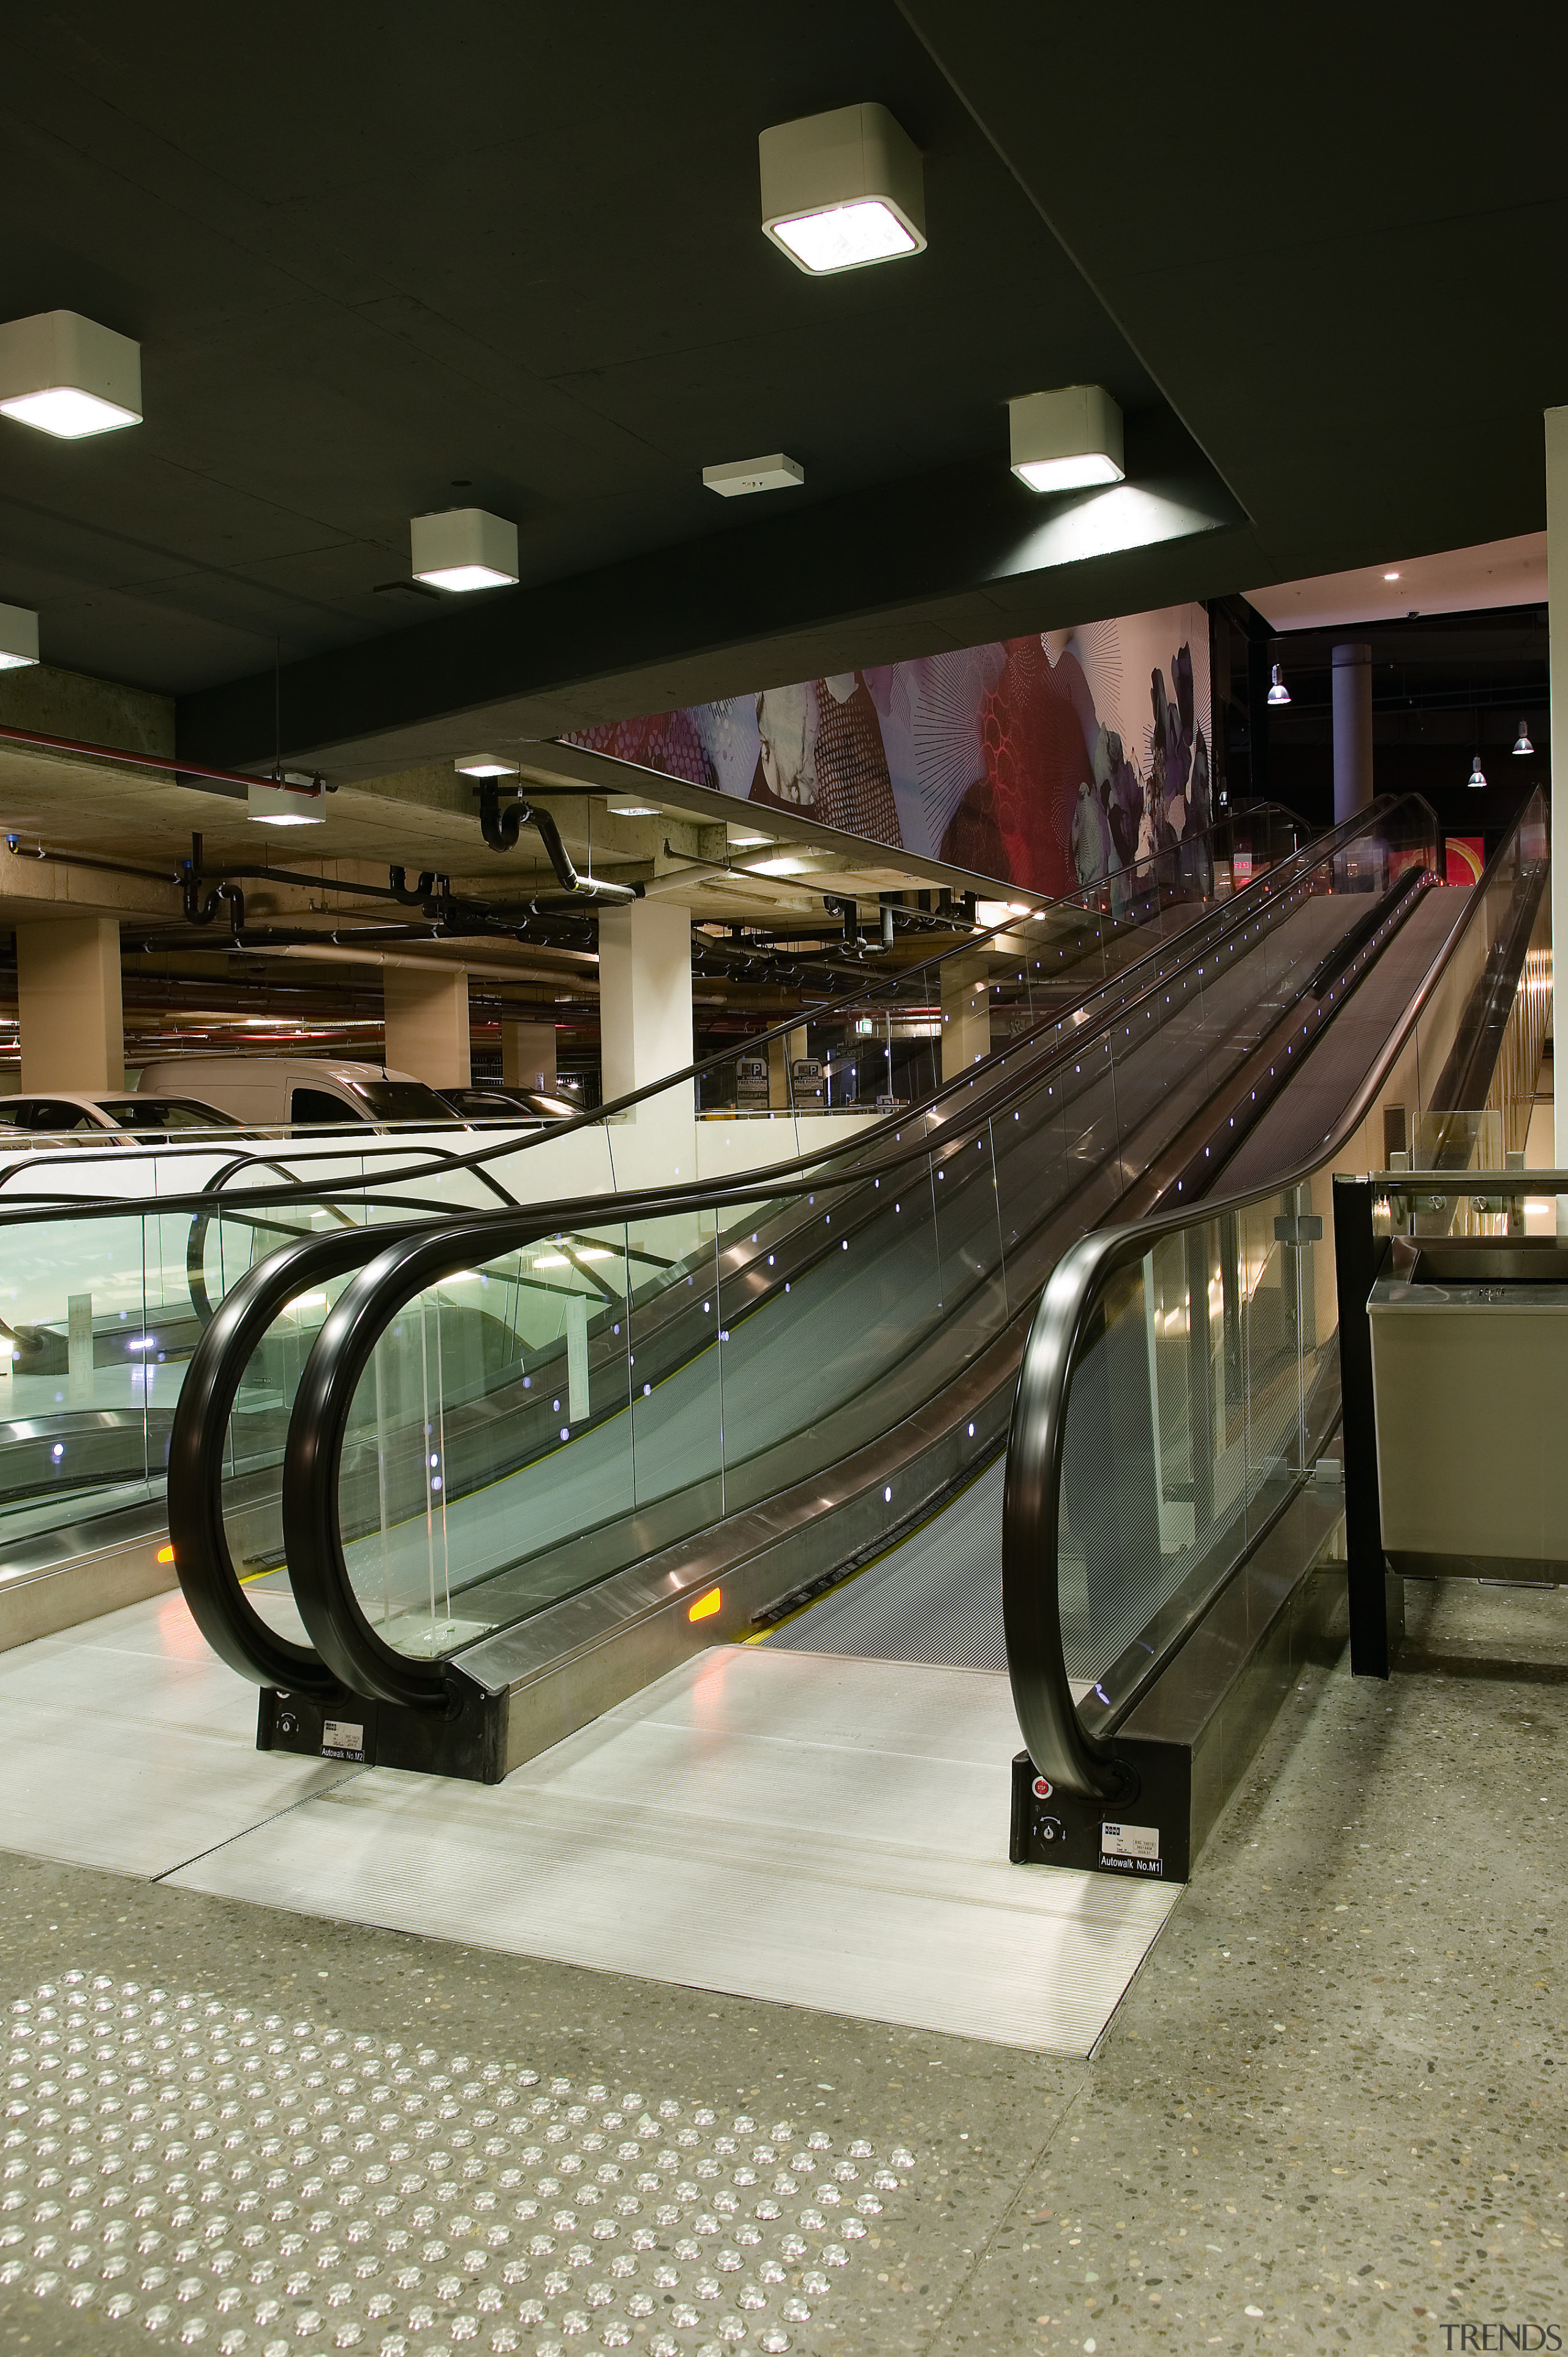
(1279, 692)
(1524, 744)
(1477, 777)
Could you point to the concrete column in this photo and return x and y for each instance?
(428, 1024)
(1352, 667)
(528, 1055)
(782, 1054)
(645, 1029)
(1557, 623)
(68, 1003)
(966, 1015)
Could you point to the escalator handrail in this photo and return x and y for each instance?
(1062, 1749)
(323, 1400)
(202, 1561)
(21, 1212)
(477, 1158)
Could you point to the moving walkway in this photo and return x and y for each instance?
(533, 1460)
(114, 1261)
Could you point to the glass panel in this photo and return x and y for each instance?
(1204, 1391)
(489, 1438)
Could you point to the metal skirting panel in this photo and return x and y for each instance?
(799, 1828)
(49, 1601)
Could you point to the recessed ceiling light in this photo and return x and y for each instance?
(18, 637)
(842, 189)
(739, 476)
(284, 805)
(1390, 577)
(485, 765)
(67, 376)
(1067, 440)
(628, 806)
(464, 548)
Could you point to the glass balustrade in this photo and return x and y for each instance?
(1204, 1380)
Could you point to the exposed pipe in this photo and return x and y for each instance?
(502, 828)
(158, 761)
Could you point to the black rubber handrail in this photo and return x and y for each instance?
(219, 1605)
(972, 943)
(313, 1546)
(1062, 1749)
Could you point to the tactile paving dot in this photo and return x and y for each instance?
(240, 2183)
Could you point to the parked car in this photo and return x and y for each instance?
(485, 1105)
(302, 1091)
(82, 1116)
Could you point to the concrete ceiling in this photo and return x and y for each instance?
(384, 260)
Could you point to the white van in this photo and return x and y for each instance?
(298, 1092)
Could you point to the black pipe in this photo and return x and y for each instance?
(502, 828)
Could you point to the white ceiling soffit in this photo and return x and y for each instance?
(1459, 581)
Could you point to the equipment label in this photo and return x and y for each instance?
(1130, 1841)
(340, 1736)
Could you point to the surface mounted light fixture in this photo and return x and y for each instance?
(485, 765)
(1278, 692)
(745, 838)
(1477, 776)
(1390, 577)
(284, 805)
(842, 189)
(739, 476)
(1524, 744)
(18, 637)
(67, 376)
(1066, 440)
(777, 867)
(464, 548)
(628, 806)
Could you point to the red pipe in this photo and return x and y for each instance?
(152, 762)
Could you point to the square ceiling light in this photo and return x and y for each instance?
(286, 805)
(631, 806)
(67, 376)
(1067, 440)
(18, 637)
(464, 548)
(739, 476)
(842, 189)
(485, 765)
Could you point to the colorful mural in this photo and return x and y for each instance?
(1045, 762)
